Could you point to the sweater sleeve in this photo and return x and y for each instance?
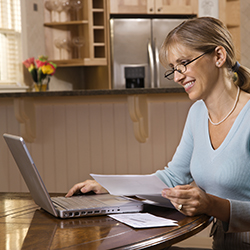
(178, 170)
(239, 217)
(240, 209)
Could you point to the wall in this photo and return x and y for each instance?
(33, 45)
(245, 32)
(32, 28)
(78, 136)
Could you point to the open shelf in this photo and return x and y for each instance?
(68, 23)
(61, 33)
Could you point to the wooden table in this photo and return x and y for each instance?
(23, 225)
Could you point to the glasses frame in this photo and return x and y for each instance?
(168, 74)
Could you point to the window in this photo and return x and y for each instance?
(10, 42)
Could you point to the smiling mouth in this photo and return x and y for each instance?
(188, 85)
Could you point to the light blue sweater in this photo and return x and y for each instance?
(224, 172)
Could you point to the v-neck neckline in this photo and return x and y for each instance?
(231, 130)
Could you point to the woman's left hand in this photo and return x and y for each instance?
(188, 199)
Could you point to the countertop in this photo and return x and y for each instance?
(93, 92)
(137, 99)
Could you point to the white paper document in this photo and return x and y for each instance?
(131, 184)
(143, 220)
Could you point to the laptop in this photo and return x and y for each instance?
(62, 207)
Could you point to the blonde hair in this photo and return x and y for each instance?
(204, 34)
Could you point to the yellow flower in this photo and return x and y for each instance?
(48, 69)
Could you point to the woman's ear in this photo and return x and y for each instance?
(220, 56)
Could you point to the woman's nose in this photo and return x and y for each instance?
(178, 76)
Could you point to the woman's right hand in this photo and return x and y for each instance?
(85, 187)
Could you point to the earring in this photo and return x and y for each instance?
(217, 63)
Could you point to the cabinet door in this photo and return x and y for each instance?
(128, 6)
(176, 6)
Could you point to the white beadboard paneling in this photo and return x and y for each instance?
(14, 178)
(96, 144)
(121, 138)
(76, 137)
(133, 149)
(4, 159)
(146, 156)
(36, 148)
(61, 161)
(158, 125)
(47, 121)
(72, 143)
(146, 149)
(172, 134)
(108, 138)
(83, 131)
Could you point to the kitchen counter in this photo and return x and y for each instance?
(137, 99)
(94, 92)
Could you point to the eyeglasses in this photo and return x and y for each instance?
(180, 68)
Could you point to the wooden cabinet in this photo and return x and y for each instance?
(229, 13)
(128, 6)
(182, 7)
(77, 40)
(153, 7)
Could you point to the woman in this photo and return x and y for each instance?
(214, 151)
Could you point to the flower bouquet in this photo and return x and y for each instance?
(41, 70)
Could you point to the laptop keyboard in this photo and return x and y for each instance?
(77, 202)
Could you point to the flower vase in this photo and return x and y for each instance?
(40, 87)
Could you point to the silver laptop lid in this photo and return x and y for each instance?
(29, 172)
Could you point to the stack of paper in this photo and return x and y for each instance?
(147, 187)
(131, 184)
(143, 220)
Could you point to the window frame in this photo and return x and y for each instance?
(10, 43)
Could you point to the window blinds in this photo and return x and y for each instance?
(10, 41)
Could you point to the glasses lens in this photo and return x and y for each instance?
(181, 68)
(169, 74)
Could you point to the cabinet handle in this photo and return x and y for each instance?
(151, 9)
(151, 64)
(159, 9)
(157, 65)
